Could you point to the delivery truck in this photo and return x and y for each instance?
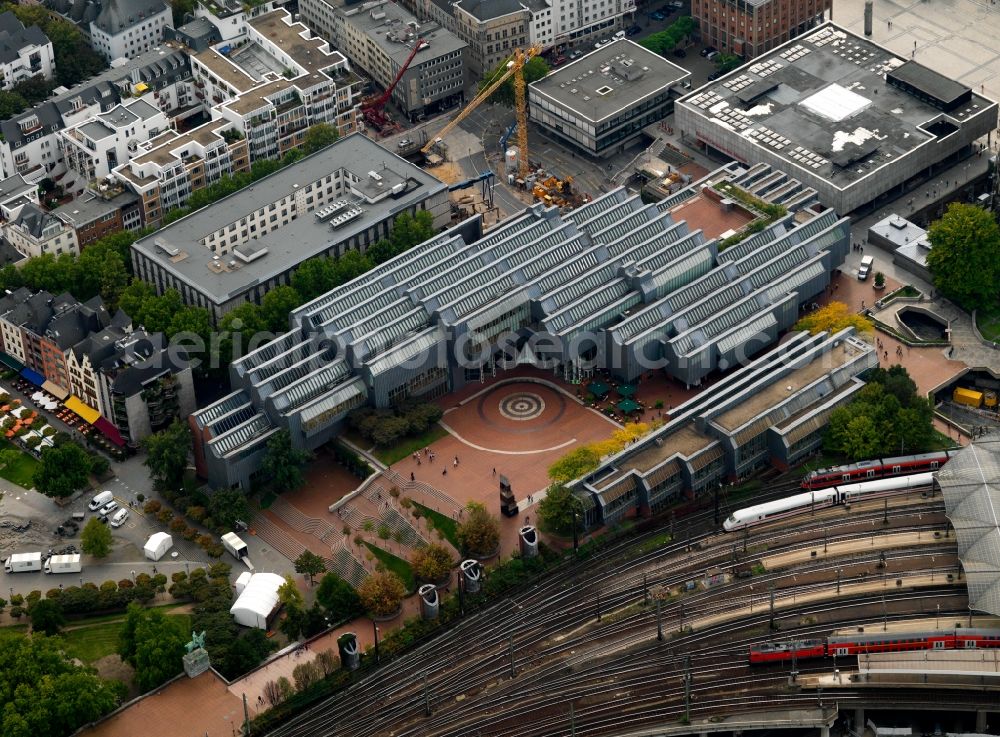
(63, 564)
(238, 548)
(21, 562)
(968, 397)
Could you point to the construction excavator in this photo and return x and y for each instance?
(373, 108)
(515, 69)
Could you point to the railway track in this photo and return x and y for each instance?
(561, 657)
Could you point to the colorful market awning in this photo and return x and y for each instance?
(74, 405)
(33, 376)
(55, 390)
(109, 431)
(10, 362)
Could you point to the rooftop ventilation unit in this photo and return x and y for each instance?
(330, 210)
(375, 176)
(341, 220)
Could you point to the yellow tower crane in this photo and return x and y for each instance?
(515, 68)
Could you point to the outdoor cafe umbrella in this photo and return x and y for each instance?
(626, 390)
(628, 405)
(598, 388)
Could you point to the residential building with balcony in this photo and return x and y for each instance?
(94, 148)
(106, 207)
(15, 193)
(35, 232)
(749, 28)
(343, 198)
(24, 52)
(378, 37)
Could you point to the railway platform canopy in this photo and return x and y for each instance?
(970, 483)
(925, 666)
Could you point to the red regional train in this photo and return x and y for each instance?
(879, 468)
(881, 642)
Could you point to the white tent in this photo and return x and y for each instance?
(258, 601)
(157, 545)
(241, 581)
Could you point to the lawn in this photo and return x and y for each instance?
(440, 522)
(988, 322)
(395, 564)
(410, 445)
(92, 641)
(22, 471)
(942, 442)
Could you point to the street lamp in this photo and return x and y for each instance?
(375, 630)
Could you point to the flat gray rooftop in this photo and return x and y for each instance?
(821, 102)
(389, 30)
(609, 80)
(303, 237)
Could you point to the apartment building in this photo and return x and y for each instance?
(15, 193)
(30, 143)
(345, 197)
(94, 148)
(380, 36)
(104, 208)
(124, 28)
(24, 52)
(751, 27)
(35, 232)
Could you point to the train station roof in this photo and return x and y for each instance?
(971, 486)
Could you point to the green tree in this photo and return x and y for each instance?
(574, 464)
(479, 532)
(310, 564)
(46, 616)
(181, 9)
(382, 593)
(44, 693)
(134, 296)
(560, 511)
(965, 255)
(338, 598)
(665, 41)
(313, 277)
(282, 464)
(295, 606)
(63, 470)
(432, 562)
(350, 266)
(54, 274)
(96, 538)
(319, 136)
(228, 506)
(244, 653)
(167, 454)
(153, 644)
(276, 306)
(534, 69)
(34, 89)
(11, 104)
(727, 62)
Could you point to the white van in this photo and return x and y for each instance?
(119, 519)
(867, 262)
(100, 500)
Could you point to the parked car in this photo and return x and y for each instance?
(633, 30)
(708, 50)
(619, 36)
(574, 54)
(108, 508)
(711, 55)
(559, 61)
(658, 15)
(680, 53)
(715, 75)
(119, 519)
(100, 500)
(405, 143)
(675, 4)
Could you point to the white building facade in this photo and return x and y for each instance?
(24, 52)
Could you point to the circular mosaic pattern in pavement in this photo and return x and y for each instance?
(522, 406)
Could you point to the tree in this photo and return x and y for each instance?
(306, 674)
(319, 136)
(574, 464)
(310, 564)
(245, 652)
(63, 470)
(153, 644)
(282, 464)
(479, 532)
(382, 593)
(965, 255)
(228, 506)
(276, 306)
(727, 62)
(167, 454)
(46, 616)
(832, 318)
(96, 538)
(45, 693)
(313, 277)
(338, 598)
(534, 69)
(665, 41)
(432, 562)
(560, 511)
(11, 104)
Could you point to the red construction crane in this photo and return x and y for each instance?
(374, 107)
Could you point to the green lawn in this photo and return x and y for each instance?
(409, 445)
(440, 522)
(988, 322)
(23, 470)
(395, 564)
(90, 642)
(942, 442)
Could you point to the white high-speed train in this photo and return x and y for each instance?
(843, 494)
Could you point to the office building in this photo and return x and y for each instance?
(749, 28)
(840, 113)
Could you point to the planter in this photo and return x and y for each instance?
(386, 617)
(487, 556)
